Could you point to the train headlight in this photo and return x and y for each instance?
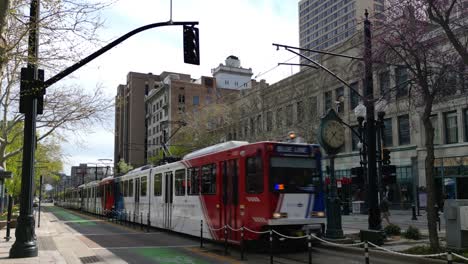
(277, 215)
(321, 214)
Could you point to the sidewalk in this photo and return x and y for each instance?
(57, 244)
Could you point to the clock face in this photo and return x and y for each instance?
(333, 134)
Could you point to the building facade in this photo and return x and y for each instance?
(324, 24)
(231, 75)
(130, 130)
(297, 103)
(85, 173)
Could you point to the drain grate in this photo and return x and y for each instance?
(89, 259)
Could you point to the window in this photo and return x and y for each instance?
(300, 112)
(289, 114)
(384, 82)
(193, 181)
(451, 128)
(403, 130)
(340, 99)
(130, 188)
(180, 182)
(252, 126)
(328, 100)
(196, 100)
(465, 117)
(269, 121)
(435, 125)
(401, 80)
(208, 179)
(387, 133)
(125, 188)
(254, 179)
(354, 95)
(279, 119)
(354, 138)
(313, 107)
(143, 186)
(259, 123)
(157, 184)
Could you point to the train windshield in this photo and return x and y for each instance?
(294, 175)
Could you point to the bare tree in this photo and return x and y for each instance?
(451, 16)
(408, 39)
(67, 30)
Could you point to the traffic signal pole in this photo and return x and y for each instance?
(32, 92)
(25, 243)
(375, 222)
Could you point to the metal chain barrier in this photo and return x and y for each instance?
(290, 237)
(459, 256)
(408, 255)
(337, 244)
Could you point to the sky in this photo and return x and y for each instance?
(243, 28)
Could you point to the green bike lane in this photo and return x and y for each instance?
(134, 245)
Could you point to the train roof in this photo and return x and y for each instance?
(215, 148)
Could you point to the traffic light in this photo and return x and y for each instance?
(357, 175)
(386, 156)
(191, 45)
(389, 174)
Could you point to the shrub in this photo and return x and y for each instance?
(392, 230)
(412, 233)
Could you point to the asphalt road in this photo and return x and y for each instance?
(134, 245)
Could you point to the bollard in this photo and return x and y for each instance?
(134, 219)
(10, 208)
(449, 257)
(413, 207)
(148, 222)
(141, 220)
(242, 243)
(201, 233)
(366, 252)
(309, 246)
(271, 246)
(225, 240)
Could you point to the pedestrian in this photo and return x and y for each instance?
(384, 204)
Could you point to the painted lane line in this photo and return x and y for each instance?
(117, 234)
(180, 246)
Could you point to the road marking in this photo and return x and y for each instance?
(117, 234)
(208, 254)
(79, 221)
(179, 246)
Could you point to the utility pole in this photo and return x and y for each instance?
(25, 243)
(375, 222)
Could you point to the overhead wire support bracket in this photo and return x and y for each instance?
(290, 49)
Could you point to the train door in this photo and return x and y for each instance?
(168, 197)
(231, 196)
(137, 196)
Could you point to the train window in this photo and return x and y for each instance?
(180, 182)
(130, 188)
(126, 188)
(157, 184)
(208, 179)
(143, 186)
(254, 175)
(193, 183)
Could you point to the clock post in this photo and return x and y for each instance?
(331, 137)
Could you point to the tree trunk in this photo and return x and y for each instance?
(430, 183)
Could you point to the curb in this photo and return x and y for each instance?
(383, 254)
